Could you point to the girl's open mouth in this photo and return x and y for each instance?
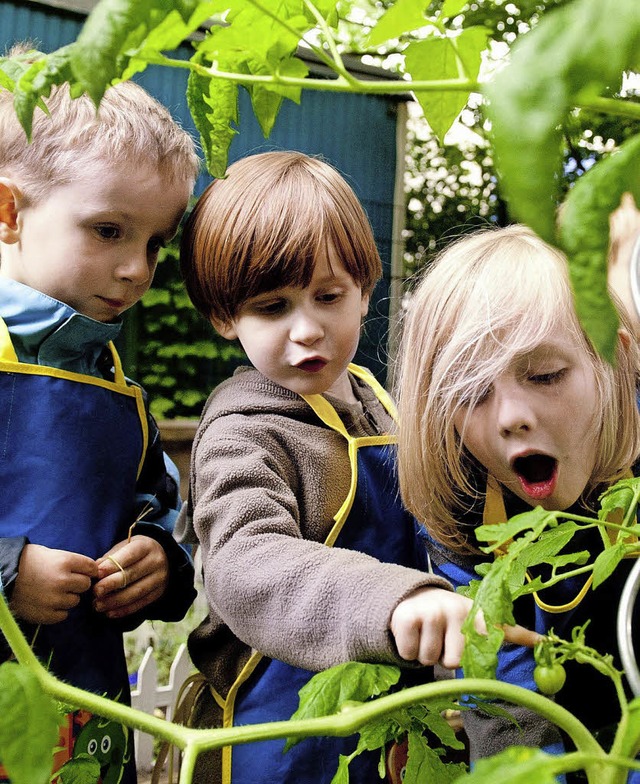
(538, 475)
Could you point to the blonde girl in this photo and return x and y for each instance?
(505, 405)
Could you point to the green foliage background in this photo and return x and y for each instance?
(171, 350)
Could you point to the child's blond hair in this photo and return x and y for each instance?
(263, 227)
(488, 298)
(130, 126)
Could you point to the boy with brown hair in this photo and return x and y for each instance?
(309, 559)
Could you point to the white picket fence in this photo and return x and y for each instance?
(149, 696)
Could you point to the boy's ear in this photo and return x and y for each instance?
(9, 198)
(364, 305)
(224, 328)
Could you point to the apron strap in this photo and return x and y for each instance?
(118, 372)
(328, 415)
(381, 393)
(7, 351)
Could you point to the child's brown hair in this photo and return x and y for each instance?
(263, 226)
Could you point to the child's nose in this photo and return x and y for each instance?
(514, 413)
(305, 329)
(135, 268)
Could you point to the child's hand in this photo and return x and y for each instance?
(427, 627)
(131, 575)
(49, 583)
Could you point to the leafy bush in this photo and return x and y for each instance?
(171, 350)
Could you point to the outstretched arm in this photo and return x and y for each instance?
(427, 627)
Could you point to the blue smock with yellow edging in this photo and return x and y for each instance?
(371, 520)
(71, 449)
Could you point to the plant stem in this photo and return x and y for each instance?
(72, 695)
(193, 741)
(340, 84)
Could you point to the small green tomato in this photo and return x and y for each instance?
(549, 678)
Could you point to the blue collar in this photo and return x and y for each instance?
(47, 332)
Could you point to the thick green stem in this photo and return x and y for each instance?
(192, 741)
(340, 84)
(71, 695)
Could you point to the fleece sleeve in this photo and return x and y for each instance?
(279, 592)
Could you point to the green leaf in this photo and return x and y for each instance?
(171, 31)
(100, 55)
(28, 720)
(431, 718)
(213, 104)
(548, 545)
(584, 236)
(445, 58)
(579, 49)
(36, 83)
(619, 496)
(342, 774)
(451, 8)
(83, 769)
(12, 68)
(535, 521)
(325, 693)
(480, 655)
(259, 45)
(400, 18)
(606, 563)
(515, 765)
(424, 763)
(376, 734)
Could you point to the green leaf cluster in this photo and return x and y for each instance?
(171, 350)
(347, 686)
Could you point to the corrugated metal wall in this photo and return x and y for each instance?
(356, 133)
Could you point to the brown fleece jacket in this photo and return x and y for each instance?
(267, 478)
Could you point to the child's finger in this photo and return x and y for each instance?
(518, 635)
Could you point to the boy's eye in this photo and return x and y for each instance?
(329, 296)
(272, 308)
(109, 232)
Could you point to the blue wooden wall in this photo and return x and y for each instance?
(356, 133)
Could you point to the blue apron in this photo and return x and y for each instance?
(71, 449)
(371, 520)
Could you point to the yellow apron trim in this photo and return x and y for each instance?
(7, 351)
(9, 363)
(495, 513)
(228, 710)
(328, 415)
(381, 393)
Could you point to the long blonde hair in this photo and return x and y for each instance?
(488, 298)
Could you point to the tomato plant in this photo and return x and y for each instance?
(357, 697)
